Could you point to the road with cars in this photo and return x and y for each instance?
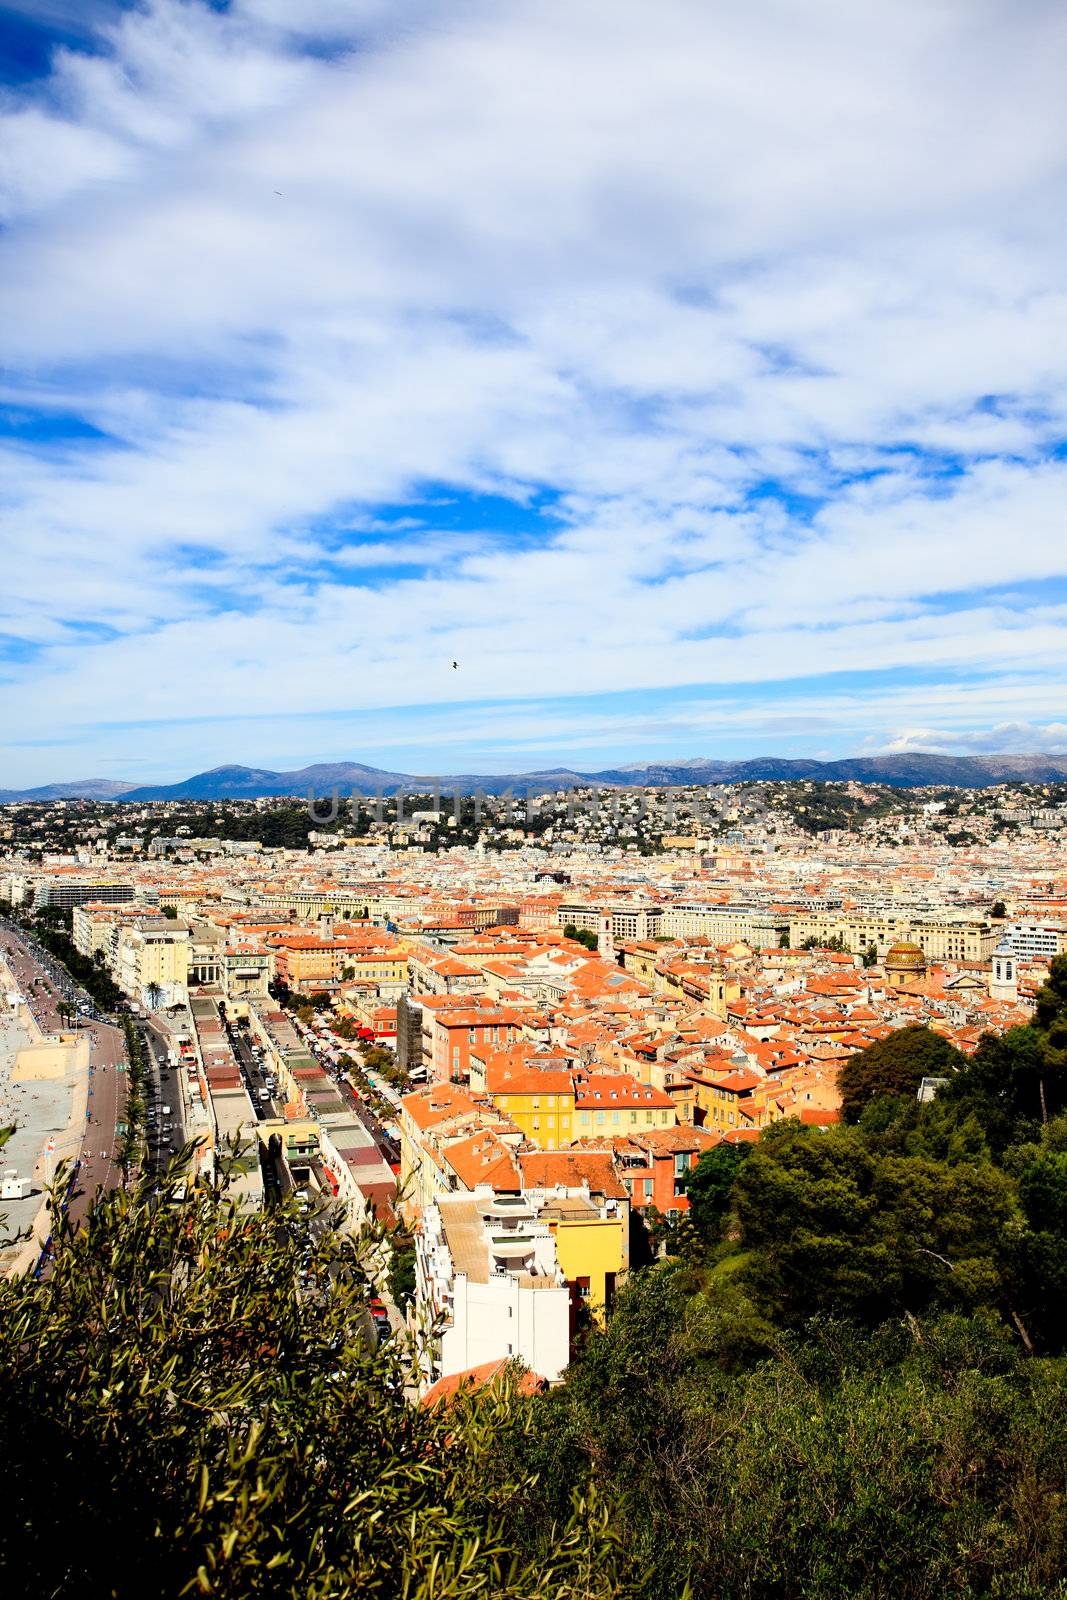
(165, 1118)
(44, 984)
(261, 1087)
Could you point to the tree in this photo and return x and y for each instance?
(209, 1426)
(709, 1186)
(837, 1461)
(154, 996)
(895, 1066)
(402, 1272)
(837, 1228)
(1016, 1082)
(836, 944)
(1050, 1019)
(870, 956)
(999, 911)
(1036, 1255)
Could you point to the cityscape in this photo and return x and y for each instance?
(456, 1143)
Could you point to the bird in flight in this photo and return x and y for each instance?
(455, 665)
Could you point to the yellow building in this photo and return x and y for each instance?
(939, 938)
(589, 1249)
(538, 1100)
(388, 966)
(151, 962)
(584, 1203)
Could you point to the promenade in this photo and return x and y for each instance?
(71, 1116)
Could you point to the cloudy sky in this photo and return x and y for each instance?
(690, 372)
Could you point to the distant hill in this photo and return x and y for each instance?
(913, 769)
(80, 789)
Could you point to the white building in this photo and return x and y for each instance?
(488, 1286)
(1036, 940)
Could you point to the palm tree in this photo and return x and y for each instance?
(154, 996)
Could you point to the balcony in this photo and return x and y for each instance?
(511, 1210)
(510, 1251)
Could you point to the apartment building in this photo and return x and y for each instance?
(1036, 941)
(70, 892)
(489, 1286)
(151, 961)
(940, 938)
(722, 924)
(628, 921)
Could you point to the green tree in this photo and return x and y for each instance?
(402, 1272)
(208, 1426)
(922, 1459)
(836, 1228)
(1016, 1082)
(895, 1066)
(1036, 1255)
(709, 1186)
(836, 944)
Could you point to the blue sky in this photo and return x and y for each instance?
(693, 376)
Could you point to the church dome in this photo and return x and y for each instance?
(905, 957)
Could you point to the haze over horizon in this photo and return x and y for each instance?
(693, 378)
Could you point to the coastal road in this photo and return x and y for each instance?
(99, 1168)
(42, 990)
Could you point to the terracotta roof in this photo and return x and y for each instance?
(572, 1169)
(474, 1378)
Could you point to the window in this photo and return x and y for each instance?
(648, 1188)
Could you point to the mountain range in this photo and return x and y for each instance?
(913, 769)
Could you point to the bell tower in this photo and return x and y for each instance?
(1003, 976)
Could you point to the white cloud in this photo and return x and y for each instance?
(647, 257)
(1020, 738)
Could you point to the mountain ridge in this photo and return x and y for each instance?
(901, 770)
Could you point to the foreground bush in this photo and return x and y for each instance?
(176, 1418)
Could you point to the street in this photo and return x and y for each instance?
(44, 984)
(165, 1117)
